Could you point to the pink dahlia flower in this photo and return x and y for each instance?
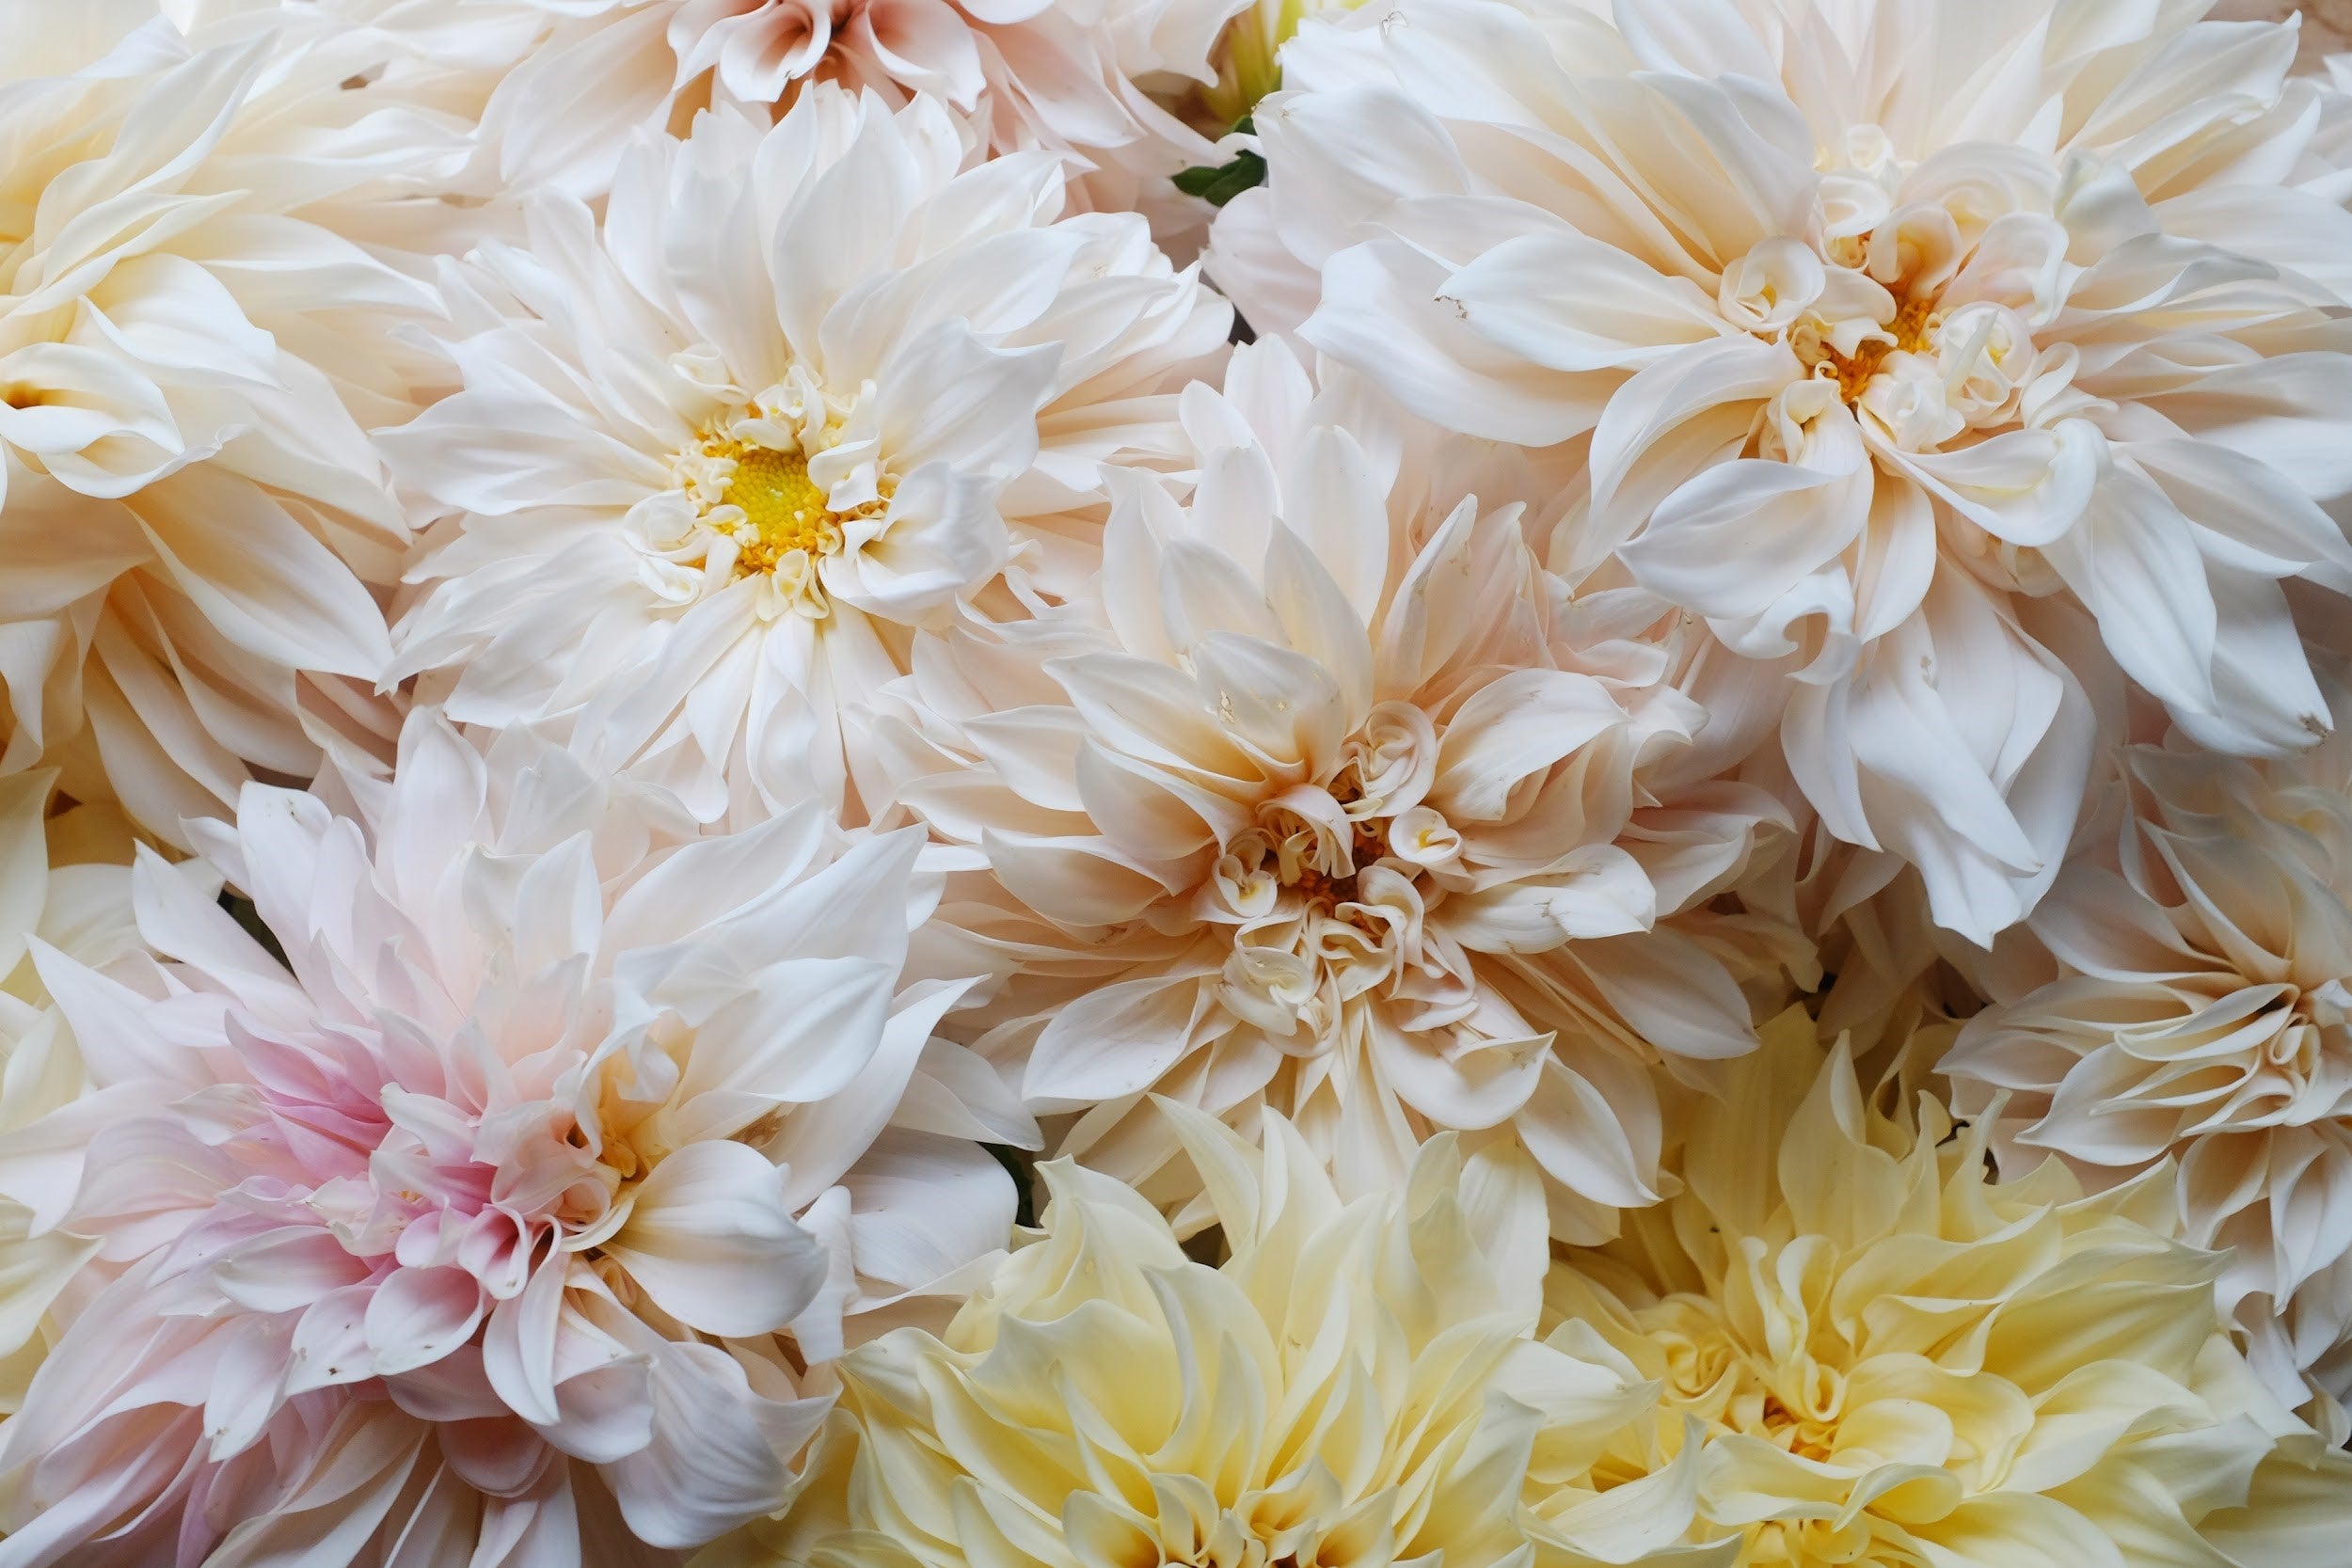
(500, 1230)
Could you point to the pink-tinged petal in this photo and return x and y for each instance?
(245, 1383)
(502, 1455)
(420, 1315)
(330, 1343)
(518, 1347)
(287, 1270)
(338, 1502)
(924, 44)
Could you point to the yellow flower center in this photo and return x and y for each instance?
(783, 509)
(1912, 331)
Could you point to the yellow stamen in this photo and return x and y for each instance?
(783, 508)
(1911, 323)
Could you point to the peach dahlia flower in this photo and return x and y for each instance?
(2199, 1013)
(1925, 351)
(1339, 802)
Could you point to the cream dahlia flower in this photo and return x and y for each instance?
(802, 390)
(1337, 803)
(1058, 75)
(1883, 1357)
(2201, 1012)
(190, 344)
(1900, 339)
(477, 1236)
(1357, 1386)
(55, 896)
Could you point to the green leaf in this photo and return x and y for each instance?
(1219, 183)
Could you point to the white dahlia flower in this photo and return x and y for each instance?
(2201, 1012)
(1056, 75)
(1357, 1385)
(1339, 802)
(1900, 337)
(499, 1227)
(1883, 1357)
(802, 391)
(190, 344)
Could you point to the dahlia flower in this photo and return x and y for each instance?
(1357, 1386)
(803, 389)
(2201, 1012)
(53, 898)
(1059, 75)
(190, 345)
(476, 1236)
(1883, 1357)
(1920, 350)
(1337, 803)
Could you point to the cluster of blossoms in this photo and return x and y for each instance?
(1114, 784)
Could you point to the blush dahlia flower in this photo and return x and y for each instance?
(802, 390)
(1900, 339)
(1357, 1386)
(1018, 75)
(1882, 1356)
(498, 1229)
(1339, 802)
(2201, 1013)
(190, 347)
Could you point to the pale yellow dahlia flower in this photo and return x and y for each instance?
(193, 339)
(56, 898)
(2198, 1011)
(1891, 1360)
(1357, 1385)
